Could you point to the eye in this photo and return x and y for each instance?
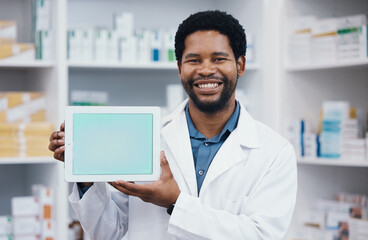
(193, 61)
(219, 59)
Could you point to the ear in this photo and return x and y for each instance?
(240, 65)
(179, 68)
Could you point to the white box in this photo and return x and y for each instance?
(31, 237)
(26, 226)
(128, 50)
(8, 31)
(5, 225)
(24, 206)
(101, 48)
(124, 24)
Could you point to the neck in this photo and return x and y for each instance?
(210, 124)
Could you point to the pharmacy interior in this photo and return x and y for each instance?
(306, 77)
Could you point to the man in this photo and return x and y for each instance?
(224, 175)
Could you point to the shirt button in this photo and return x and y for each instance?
(200, 172)
(206, 144)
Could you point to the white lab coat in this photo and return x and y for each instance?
(248, 193)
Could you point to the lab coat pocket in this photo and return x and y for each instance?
(234, 206)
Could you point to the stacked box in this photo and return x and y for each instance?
(89, 98)
(358, 229)
(10, 50)
(324, 40)
(352, 37)
(25, 140)
(6, 227)
(42, 29)
(334, 115)
(45, 199)
(17, 51)
(26, 222)
(22, 107)
(299, 42)
(8, 32)
(33, 215)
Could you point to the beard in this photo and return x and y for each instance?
(211, 106)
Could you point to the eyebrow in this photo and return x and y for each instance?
(225, 54)
(190, 55)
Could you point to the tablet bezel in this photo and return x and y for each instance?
(156, 125)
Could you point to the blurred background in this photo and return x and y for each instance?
(307, 78)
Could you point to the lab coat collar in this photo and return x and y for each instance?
(175, 132)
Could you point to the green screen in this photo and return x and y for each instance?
(112, 143)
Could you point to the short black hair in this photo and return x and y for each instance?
(216, 20)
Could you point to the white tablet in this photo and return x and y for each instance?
(104, 144)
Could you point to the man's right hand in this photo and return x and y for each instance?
(57, 143)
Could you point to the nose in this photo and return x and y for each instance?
(206, 69)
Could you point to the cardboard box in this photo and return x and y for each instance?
(17, 51)
(22, 107)
(25, 206)
(5, 225)
(23, 226)
(8, 32)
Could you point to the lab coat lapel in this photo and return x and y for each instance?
(234, 148)
(178, 141)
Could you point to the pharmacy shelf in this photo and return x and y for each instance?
(30, 64)
(27, 160)
(343, 162)
(147, 66)
(327, 65)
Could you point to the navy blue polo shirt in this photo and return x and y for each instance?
(203, 149)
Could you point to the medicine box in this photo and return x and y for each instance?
(23, 226)
(8, 32)
(25, 206)
(17, 51)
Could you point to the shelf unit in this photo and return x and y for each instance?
(33, 64)
(304, 88)
(275, 91)
(332, 162)
(27, 160)
(325, 66)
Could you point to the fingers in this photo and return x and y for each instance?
(56, 143)
(135, 189)
(59, 153)
(62, 127)
(122, 189)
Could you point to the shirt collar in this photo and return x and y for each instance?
(229, 127)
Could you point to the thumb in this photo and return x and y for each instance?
(164, 164)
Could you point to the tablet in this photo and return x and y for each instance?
(104, 144)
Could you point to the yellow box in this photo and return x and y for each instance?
(17, 49)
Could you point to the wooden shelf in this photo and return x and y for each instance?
(333, 162)
(27, 160)
(327, 65)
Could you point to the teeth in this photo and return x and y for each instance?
(208, 85)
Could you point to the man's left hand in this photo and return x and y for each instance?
(163, 192)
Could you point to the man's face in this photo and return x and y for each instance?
(209, 71)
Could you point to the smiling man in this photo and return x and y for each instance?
(224, 174)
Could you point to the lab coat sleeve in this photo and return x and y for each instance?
(103, 213)
(266, 215)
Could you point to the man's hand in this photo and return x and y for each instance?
(163, 192)
(57, 143)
